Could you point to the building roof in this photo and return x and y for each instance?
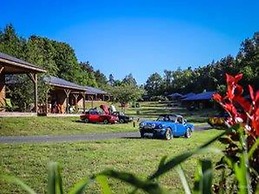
(58, 82)
(175, 95)
(13, 65)
(92, 90)
(188, 95)
(200, 96)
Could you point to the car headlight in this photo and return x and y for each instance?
(141, 125)
(161, 126)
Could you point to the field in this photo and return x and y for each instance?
(83, 159)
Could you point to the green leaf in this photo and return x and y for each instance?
(240, 168)
(14, 180)
(203, 177)
(80, 187)
(55, 181)
(253, 148)
(184, 181)
(102, 180)
(147, 186)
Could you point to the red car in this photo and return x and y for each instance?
(95, 116)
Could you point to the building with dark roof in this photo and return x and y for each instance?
(199, 101)
(12, 65)
(65, 94)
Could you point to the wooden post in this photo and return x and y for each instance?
(2, 89)
(83, 93)
(33, 77)
(76, 97)
(47, 102)
(67, 91)
(92, 100)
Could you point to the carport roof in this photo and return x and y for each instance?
(61, 83)
(200, 96)
(58, 82)
(92, 90)
(13, 65)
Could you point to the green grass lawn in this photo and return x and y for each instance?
(11, 126)
(83, 159)
(55, 126)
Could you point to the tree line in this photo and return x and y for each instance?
(60, 60)
(212, 76)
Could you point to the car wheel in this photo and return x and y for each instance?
(168, 134)
(105, 121)
(121, 121)
(142, 134)
(188, 133)
(86, 120)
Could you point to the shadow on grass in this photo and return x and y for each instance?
(131, 138)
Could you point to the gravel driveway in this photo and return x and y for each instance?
(72, 138)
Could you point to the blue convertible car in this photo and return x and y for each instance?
(166, 126)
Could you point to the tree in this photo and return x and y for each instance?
(66, 61)
(11, 43)
(88, 74)
(125, 93)
(100, 79)
(153, 84)
(111, 80)
(40, 51)
(130, 80)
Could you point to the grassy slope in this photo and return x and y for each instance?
(141, 156)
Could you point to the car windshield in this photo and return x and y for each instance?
(170, 118)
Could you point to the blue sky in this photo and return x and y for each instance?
(138, 36)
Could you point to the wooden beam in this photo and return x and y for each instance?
(1, 69)
(67, 91)
(83, 94)
(76, 97)
(35, 92)
(46, 101)
(32, 77)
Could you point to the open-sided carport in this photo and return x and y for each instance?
(12, 65)
(62, 91)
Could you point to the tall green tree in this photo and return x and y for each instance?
(41, 52)
(11, 43)
(66, 61)
(100, 79)
(153, 85)
(88, 74)
(129, 80)
(111, 80)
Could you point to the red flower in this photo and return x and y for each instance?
(233, 80)
(239, 108)
(217, 97)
